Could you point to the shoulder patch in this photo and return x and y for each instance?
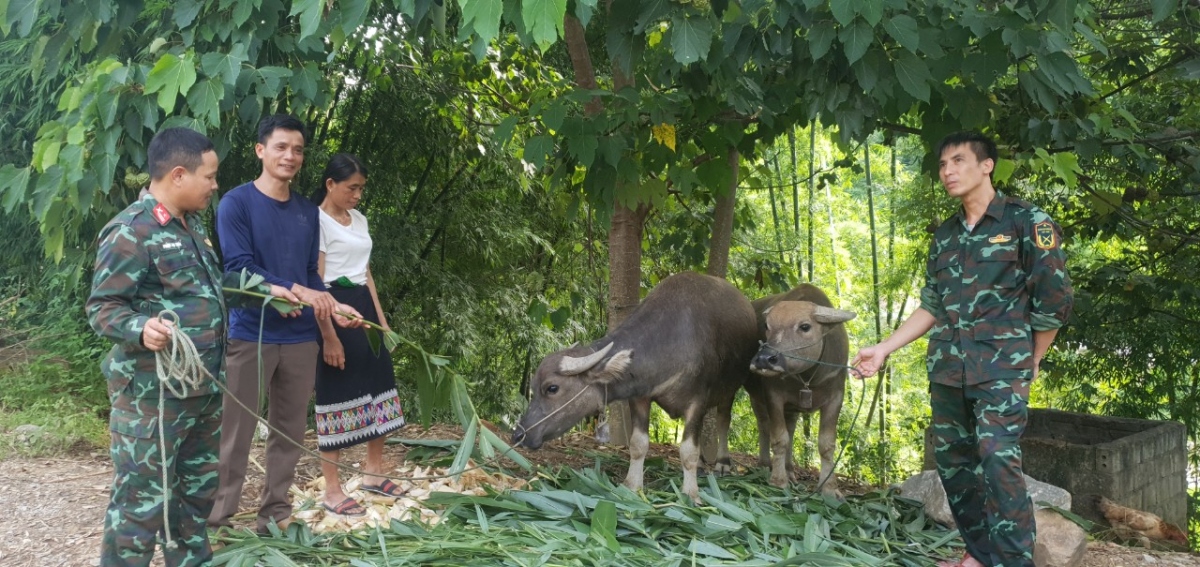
(1044, 235)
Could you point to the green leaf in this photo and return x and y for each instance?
(699, 547)
(820, 39)
(310, 12)
(5, 22)
(903, 29)
(870, 10)
(652, 11)
(391, 340)
(604, 524)
(354, 13)
(169, 77)
(544, 20)
(690, 37)
(306, 82)
(186, 12)
(505, 449)
(22, 14)
(482, 16)
(1163, 9)
(1004, 170)
(464, 451)
(14, 182)
(372, 339)
(205, 100)
(843, 11)
(536, 150)
(913, 75)
(225, 65)
(272, 79)
(241, 12)
(856, 38)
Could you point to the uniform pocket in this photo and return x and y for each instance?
(943, 358)
(171, 261)
(997, 268)
(132, 424)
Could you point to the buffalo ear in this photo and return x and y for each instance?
(829, 315)
(614, 369)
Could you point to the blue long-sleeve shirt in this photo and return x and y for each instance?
(279, 240)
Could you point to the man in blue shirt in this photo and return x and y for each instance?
(267, 229)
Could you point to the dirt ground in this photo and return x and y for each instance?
(53, 509)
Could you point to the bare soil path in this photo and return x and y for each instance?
(52, 510)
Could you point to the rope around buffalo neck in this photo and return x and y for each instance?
(179, 370)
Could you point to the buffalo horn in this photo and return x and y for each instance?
(571, 366)
(830, 315)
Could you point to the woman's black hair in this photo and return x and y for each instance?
(340, 168)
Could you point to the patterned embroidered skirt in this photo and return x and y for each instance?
(359, 402)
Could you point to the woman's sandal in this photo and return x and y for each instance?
(347, 507)
(387, 488)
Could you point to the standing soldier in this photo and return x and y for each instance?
(996, 292)
(155, 256)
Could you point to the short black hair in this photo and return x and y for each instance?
(280, 122)
(983, 146)
(176, 147)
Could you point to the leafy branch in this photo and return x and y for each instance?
(439, 387)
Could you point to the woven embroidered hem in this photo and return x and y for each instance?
(362, 419)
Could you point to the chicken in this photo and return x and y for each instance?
(1143, 527)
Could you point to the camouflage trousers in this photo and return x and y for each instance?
(976, 443)
(134, 520)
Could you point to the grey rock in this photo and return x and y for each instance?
(1060, 542)
(926, 487)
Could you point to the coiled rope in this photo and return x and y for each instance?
(179, 370)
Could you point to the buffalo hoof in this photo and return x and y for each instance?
(779, 480)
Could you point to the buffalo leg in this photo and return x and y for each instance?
(827, 446)
(762, 419)
(781, 450)
(791, 418)
(724, 464)
(689, 451)
(639, 441)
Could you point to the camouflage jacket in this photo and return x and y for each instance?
(989, 289)
(146, 262)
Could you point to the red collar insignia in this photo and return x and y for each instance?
(161, 214)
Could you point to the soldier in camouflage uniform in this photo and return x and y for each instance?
(996, 292)
(156, 255)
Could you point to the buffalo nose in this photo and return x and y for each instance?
(764, 360)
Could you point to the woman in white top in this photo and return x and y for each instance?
(356, 388)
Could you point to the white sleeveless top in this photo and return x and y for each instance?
(347, 248)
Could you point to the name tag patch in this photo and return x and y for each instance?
(1000, 239)
(172, 246)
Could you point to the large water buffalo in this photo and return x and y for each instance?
(685, 348)
(800, 368)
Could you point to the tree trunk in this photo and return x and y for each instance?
(795, 204)
(625, 235)
(775, 209)
(812, 198)
(722, 232)
(718, 265)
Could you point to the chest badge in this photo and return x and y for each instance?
(1044, 235)
(1000, 239)
(161, 214)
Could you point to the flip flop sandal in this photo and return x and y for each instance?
(388, 488)
(347, 507)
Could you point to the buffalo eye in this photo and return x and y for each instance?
(551, 389)
(805, 327)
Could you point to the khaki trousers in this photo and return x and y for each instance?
(289, 372)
